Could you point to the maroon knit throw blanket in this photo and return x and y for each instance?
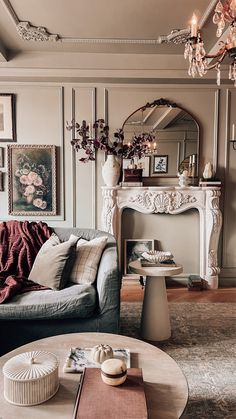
(19, 245)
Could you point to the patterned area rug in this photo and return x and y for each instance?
(203, 343)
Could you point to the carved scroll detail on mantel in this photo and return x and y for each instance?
(162, 202)
(29, 32)
(213, 269)
(109, 203)
(171, 201)
(214, 199)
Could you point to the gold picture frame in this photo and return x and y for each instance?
(32, 180)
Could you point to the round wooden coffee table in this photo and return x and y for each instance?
(165, 385)
(155, 321)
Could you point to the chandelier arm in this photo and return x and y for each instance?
(220, 53)
(210, 67)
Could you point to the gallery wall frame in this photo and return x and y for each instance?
(1, 181)
(7, 117)
(1, 157)
(133, 249)
(32, 180)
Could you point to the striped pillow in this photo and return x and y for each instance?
(88, 255)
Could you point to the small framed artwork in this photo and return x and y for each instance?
(1, 157)
(32, 179)
(160, 164)
(7, 117)
(1, 181)
(133, 249)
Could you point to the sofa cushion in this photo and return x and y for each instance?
(74, 301)
(54, 262)
(88, 255)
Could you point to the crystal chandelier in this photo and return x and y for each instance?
(194, 47)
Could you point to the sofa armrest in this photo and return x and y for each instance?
(109, 280)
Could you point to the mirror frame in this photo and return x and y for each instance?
(170, 104)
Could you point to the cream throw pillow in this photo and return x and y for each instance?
(53, 263)
(88, 255)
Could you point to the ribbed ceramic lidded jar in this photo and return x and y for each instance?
(30, 378)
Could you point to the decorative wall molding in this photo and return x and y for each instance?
(216, 131)
(170, 200)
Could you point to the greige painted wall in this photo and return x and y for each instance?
(42, 110)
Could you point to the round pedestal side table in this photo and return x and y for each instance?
(155, 320)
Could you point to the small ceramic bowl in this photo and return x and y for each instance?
(156, 256)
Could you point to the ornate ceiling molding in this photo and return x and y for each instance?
(29, 32)
(33, 33)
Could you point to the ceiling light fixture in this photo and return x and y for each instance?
(194, 48)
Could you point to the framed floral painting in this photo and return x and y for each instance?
(7, 117)
(32, 179)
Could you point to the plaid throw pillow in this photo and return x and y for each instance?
(88, 255)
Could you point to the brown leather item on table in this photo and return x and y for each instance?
(20, 242)
(96, 399)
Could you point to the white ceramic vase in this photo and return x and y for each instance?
(111, 171)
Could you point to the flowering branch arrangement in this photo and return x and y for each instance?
(137, 148)
(101, 141)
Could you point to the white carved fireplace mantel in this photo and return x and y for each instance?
(170, 200)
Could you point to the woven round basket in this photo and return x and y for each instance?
(30, 378)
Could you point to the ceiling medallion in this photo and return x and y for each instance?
(194, 48)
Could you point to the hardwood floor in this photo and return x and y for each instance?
(134, 292)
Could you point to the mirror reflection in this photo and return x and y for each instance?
(176, 144)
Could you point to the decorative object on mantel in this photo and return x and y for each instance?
(183, 179)
(207, 173)
(194, 48)
(30, 378)
(114, 149)
(111, 171)
(233, 139)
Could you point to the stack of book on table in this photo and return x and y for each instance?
(128, 184)
(145, 263)
(95, 399)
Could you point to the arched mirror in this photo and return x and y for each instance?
(176, 144)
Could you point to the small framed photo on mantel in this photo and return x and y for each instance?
(7, 117)
(160, 164)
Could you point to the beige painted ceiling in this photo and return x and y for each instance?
(116, 19)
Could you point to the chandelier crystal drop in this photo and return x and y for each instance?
(199, 61)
